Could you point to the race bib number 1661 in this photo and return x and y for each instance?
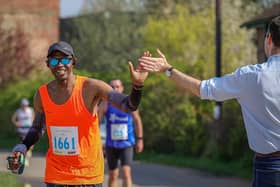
(64, 140)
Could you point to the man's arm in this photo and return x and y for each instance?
(127, 103)
(186, 82)
(138, 127)
(33, 135)
(222, 88)
(160, 64)
(35, 132)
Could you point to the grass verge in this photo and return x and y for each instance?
(9, 180)
(217, 167)
(8, 142)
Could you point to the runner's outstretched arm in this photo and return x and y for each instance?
(35, 132)
(127, 103)
(15, 161)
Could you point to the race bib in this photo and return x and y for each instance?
(65, 140)
(119, 132)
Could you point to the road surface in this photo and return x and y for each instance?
(144, 175)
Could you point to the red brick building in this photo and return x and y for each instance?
(38, 19)
(260, 23)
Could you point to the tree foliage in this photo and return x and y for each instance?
(106, 38)
(187, 38)
(104, 42)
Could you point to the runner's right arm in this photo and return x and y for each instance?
(35, 132)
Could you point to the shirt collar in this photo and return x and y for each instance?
(274, 57)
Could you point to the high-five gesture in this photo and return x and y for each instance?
(160, 65)
(152, 64)
(138, 77)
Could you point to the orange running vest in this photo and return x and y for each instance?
(75, 150)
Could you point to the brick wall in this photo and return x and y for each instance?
(39, 20)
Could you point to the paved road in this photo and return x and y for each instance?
(144, 175)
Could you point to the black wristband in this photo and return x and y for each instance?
(134, 98)
(139, 138)
(137, 87)
(32, 137)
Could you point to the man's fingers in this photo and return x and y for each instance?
(147, 68)
(147, 54)
(146, 63)
(160, 53)
(152, 59)
(147, 60)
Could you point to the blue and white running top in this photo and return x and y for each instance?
(120, 130)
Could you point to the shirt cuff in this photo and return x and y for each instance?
(204, 89)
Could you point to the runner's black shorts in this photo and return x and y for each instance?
(125, 155)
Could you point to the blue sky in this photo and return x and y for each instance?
(69, 8)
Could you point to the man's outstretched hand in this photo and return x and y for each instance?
(153, 64)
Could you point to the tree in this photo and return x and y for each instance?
(187, 39)
(104, 42)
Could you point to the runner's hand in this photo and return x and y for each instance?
(14, 161)
(139, 146)
(138, 77)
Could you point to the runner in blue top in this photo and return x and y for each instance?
(121, 130)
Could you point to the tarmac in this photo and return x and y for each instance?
(144, 175)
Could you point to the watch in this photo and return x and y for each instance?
(169, 71)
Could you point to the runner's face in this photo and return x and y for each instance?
(60, 71)
(23, 107)
(117, 85)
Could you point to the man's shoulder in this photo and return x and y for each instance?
(250, 69)
(90, 82)
(93, 83)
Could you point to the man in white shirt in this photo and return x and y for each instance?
(256, 88)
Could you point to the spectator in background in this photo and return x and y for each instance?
(22, 119)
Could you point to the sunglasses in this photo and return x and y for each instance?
(54, 61)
